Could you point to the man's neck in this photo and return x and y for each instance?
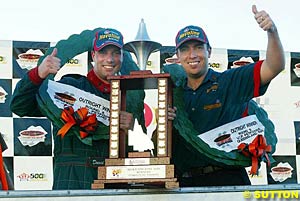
(195, 82)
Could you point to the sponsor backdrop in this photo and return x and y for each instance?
(29, 157)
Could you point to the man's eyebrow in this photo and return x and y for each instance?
(182, 46)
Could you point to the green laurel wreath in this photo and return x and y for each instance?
(69, 48)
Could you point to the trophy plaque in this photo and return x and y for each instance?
(139, 168)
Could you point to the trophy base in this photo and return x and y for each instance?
(136, 183)
(153, 172)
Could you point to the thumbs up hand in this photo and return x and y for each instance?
(50, 65)
(263, 19)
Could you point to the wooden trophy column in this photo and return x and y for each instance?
(139, 167)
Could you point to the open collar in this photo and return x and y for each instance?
(100, 84)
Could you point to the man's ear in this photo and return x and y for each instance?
(122, 56)
(209, 51)
(93, 54)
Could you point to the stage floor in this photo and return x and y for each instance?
(225, 193)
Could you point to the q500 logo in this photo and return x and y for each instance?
(32, 177)
(214, 65)
(73, 61)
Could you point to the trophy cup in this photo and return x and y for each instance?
(139, 167)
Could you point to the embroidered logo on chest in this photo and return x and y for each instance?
(212, 88)
(212, 106)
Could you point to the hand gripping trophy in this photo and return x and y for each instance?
(139, 168)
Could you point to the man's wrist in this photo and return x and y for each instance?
(34, 76)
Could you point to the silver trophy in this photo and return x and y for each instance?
(142, 46)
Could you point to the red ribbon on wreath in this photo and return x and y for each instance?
(257, 149)
(87, 123)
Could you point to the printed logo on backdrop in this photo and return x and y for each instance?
(229, 136)
(25, 56)
(242, 62)
(214, 65)
(77, 61)
(3, 95)
(239, 58)
(32, 136)
(29, 59)
(73, 62)
(282, 172)
(64, 95)
(295, 69)
(218, 60)
(32, 177)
